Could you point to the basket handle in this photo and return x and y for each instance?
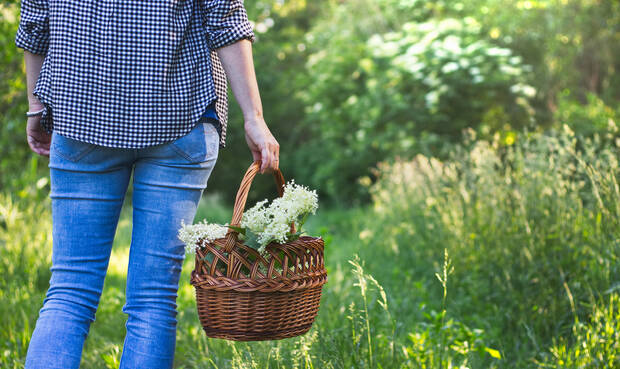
(242, 196)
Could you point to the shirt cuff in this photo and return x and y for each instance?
(231, 35)
(32, 38)
(227, 22)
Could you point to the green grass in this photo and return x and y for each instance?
(338, 339)
(499, 258)
(533, 230)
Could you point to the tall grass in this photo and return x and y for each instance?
(500, 257)
(594, 343)
(533, 229)
(24, 266)
(356, 326)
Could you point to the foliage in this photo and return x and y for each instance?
(594, 344)
(441, 342)
(387, 93)
(533, 229)
(588, 120)
(364, 105)
(574, 44)
(321, 54)
(449, 344)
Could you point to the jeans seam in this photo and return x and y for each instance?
(182, 153)
(209, 152)
(75, 158)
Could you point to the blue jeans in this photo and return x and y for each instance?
(88, 186)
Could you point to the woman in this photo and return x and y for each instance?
(120, 90)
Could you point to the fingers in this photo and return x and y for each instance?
(41, 148)
(277, 157)
(262, 144)
(255, 155)
(264, 155)
(38, 139)
(270, 157)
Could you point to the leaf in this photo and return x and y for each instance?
(208, 257)
(293, 236)
(271, 240)
(302, 221)
(493, 352)
(237, 229)
(251, 239)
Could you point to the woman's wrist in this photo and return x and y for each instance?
(254, 115)
(35, 113)
(35, 105)
(35, 109)
(255, 121)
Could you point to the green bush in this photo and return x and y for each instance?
(533, 229)
(590, 119)
(370, 97)
(372, 89)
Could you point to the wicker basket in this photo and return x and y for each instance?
(244, 296)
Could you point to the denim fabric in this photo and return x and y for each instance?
(88, 185)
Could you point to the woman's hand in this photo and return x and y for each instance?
(262, 144)
(38, 139)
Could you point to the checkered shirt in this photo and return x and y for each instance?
(130, 73)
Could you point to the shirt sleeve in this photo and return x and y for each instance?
(226, 22)
(33, 32)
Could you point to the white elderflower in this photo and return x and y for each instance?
(281, 211)
(273, 231)
(190, 234)
(300, 198)
(269, 222)
(255, 218)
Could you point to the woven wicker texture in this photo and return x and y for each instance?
(244, 296)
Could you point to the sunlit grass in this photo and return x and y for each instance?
(534, 249)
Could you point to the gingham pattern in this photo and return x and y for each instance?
(130, 73)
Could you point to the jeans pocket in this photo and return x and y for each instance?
(199, 145)
(69, 148)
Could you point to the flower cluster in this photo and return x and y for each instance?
(191, 234)
(272, 222)
(263, 223)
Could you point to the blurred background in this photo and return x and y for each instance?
(466, 160)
